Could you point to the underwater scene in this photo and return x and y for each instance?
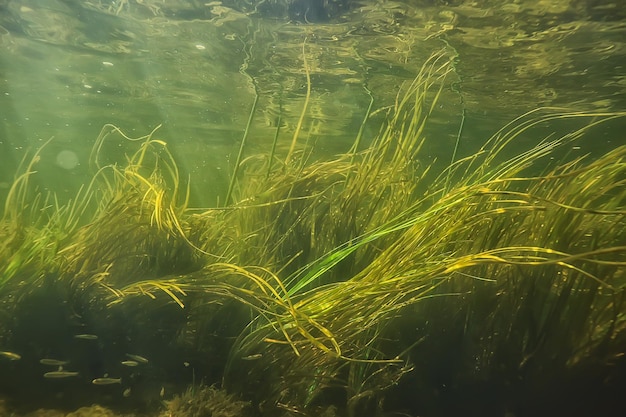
(319, 208)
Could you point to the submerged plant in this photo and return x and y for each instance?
(205, 401)
(537, 258)
(331, 283)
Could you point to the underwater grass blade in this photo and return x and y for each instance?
(242, 146)
(305, 106)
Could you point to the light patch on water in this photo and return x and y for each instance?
(67, 159)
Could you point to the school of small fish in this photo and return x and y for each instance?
(133, 360)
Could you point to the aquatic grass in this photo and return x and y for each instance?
(484, 227)
(19, 222)
(370, 181)
(252, 288)
(295, 212)
(305, 106)
(136, 231)
(358, 311)
(356, 274)
(313, 336)
(481, 166)
(34, 224)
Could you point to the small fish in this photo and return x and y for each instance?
(126, 392)
(60, 374)
(52, 362)
(252, 357)
(129, 363)
(86, 336)
(10, 355)
(162, 392)
(106, 381)
(137, 358)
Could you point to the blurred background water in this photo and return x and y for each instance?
(67, 67)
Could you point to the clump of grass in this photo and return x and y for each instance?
(206, 401)
(33, 227)
(136, 231)
(535, 257)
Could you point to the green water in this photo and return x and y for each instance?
(69, 67)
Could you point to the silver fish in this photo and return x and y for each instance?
(137, 358)
(60, 374)
(10, 355)
(86, 336)
(106, 381)
(53, 362)
(252, 357)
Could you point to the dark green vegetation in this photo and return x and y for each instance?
(360, 286)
